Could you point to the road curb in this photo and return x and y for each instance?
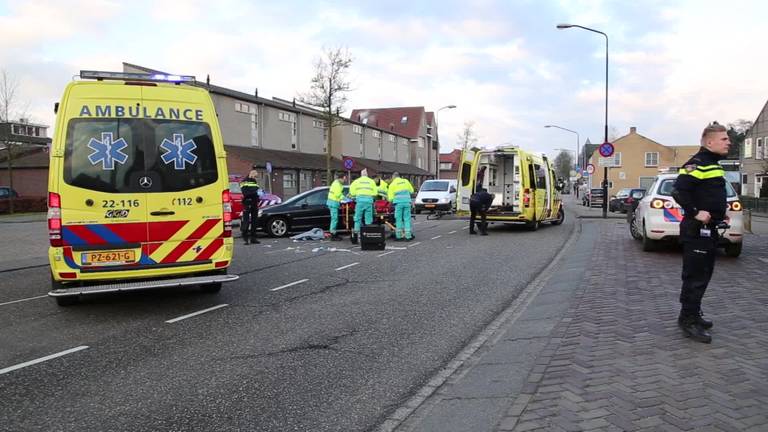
(500, 324)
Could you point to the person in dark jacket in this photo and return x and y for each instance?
(251, 193)
(700, 191)
(479, 203)
(480, 178)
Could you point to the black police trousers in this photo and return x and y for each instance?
(698, 263)
(249, 221)
(473, 212)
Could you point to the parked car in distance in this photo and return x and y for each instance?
(624, 198)
(236, 195)
(657, 217)
(7, 192)
(436, 195)
(593, 198)
(630, 203)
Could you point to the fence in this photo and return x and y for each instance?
(757, 205)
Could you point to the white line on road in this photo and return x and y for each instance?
(289, 285)
(42, 359)
(347, 266)
(415, 244)
(386, 253)
(22, 300)
(465, 228)
(452, 232)
(171, 321)
(436, 237)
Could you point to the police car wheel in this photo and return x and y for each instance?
(733, 250)
(277, 227)
(648, 244)
(633, 230)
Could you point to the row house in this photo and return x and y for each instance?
(754, 156)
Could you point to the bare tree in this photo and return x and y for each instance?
(563, 165)
(467, 138)
(9, 85)
(328, 92)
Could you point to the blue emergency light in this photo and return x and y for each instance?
(128, 76)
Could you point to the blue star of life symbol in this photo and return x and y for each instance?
(107, 151)
(178, 151)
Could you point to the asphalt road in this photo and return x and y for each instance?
(337, 351)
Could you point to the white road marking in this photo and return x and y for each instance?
(765, 260)
(436, 237)
(22, 300)
(171, 321)
(452, 232)
(386, 253)
(42, 359)
(289, 285)
(465, 228)
(347, 266)
(415, 244)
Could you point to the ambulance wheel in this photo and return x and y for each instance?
(63, 301)
(277, 227)
(560, 217)
(211, 288)
(532, 226)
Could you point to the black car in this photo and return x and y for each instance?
(302, 212)
(7, 192)
(625, 199)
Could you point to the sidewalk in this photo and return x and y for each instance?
(595, 346)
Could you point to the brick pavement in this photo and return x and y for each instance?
(617, 361)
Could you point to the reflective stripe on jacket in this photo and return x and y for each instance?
(363, 186)
(400, 188)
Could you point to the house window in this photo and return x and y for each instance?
(362, 145)
(445, 166)
(744, 179)
(747, 148)
(758, 184)
(418, 162)
(404, 120)
(288, 117)
(646, 182)
(617, 159)
(421, 142)
(365, 120)
(305, 181)
(244, 108)
(294, 132)
(357, 129)
(380, 147)
(759, 149)
(254, 128)
(289, 180)
(391, 138)
(376, 134)
(318, 123)
(651, 159)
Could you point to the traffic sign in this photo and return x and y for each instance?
(606, 149)
(590, 169)
(606, 162)
(585, 173)
(349, 163)
(269, 167)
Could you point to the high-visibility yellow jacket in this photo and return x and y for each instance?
(383, 188)
(363, 186)
(400, 190)
(336, 192)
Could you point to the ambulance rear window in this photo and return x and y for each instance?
(118, 155)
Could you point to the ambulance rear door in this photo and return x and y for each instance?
(466, 180)
(184, 199)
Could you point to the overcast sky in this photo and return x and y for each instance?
(674, 65)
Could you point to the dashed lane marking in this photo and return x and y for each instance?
(436, 237)
(386, 253)
(452, 232)
(22, 300)
(347, 266)
(42, 359)
(183, 317)
(415, 244)
(289, 285)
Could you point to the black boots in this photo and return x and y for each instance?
(695, 327)
(353, 238)
(335, 237)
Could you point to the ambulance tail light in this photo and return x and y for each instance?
(527, 197)
(734, 206)
(659, 203)
(226, 202)
(54, 219)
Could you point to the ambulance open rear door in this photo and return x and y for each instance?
(467, 176)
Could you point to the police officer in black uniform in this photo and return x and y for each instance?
(251, 192)
(700, 191)
(479, 203)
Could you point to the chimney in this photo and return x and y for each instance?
(632, 130)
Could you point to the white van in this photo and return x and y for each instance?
(436, 195)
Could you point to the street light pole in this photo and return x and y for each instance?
(605, 136)
(578, 140)
(437, 156)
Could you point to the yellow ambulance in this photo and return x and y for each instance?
(524, 185)
(138, 191)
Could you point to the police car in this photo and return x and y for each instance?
(658, 216)
(138, 188)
